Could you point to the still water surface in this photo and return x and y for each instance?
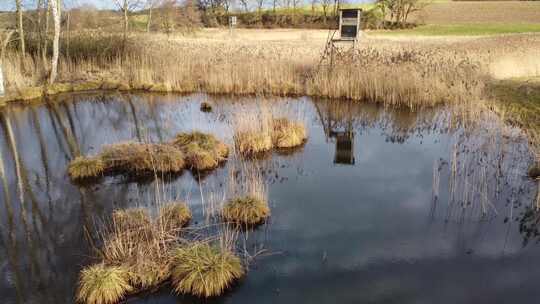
(379, 206)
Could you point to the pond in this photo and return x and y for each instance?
(380, 205)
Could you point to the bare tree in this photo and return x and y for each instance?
(227, 4)
(245, 5)
(150, 6)
(126, 6)
(167, 15)
(20, 28)
(313, 4)
(55, 10)
(325, 4)
(260, 4)
(399, 11)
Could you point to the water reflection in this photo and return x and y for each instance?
(423, 207)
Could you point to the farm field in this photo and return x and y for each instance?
(460, 12)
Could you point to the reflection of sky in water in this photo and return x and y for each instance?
(362, 233)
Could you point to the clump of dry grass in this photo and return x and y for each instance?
(86, 167)
(202, 151)
(100, 284)
(288, 134)
(141, 158)
(149, 273)
(252, 131)
(174, 215)
(249, 143)
(247, 204)
(203, 270)
(246, 211)
(127, 220)
(142, 245)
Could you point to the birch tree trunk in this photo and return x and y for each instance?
(18, 5)
(55, 10)
(3, 47)
(126, 18)
(149, 20)
(47, 7)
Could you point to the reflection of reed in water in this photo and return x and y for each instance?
(482, 162)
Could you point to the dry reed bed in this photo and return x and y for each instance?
(435, 74)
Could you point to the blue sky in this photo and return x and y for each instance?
(10, 4)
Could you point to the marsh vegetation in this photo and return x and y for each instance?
(189, 163)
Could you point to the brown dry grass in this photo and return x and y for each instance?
(246, 211)
(136, 242)
(204, 271)
(253, 130)
(276, 67)
(438, 71)
(86, 167)
(288, 134)
(100, 284)
(174, 215)
(202, 151)
(140, 158)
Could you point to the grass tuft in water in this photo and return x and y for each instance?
(86, 167)
(202, 151)
(288, 134)
(149, 273)
(100, 284)
(174, 215)
(252, 142)
(140, 158)
(247, 211)
(204, 271)
(131, 219)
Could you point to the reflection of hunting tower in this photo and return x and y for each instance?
(337, 123)
(344, 147)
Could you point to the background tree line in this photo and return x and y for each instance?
(46, 28)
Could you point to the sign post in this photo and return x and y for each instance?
(232, 24)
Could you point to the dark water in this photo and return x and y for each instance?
(356, 217)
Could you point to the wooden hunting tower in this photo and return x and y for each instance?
(349, 23)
